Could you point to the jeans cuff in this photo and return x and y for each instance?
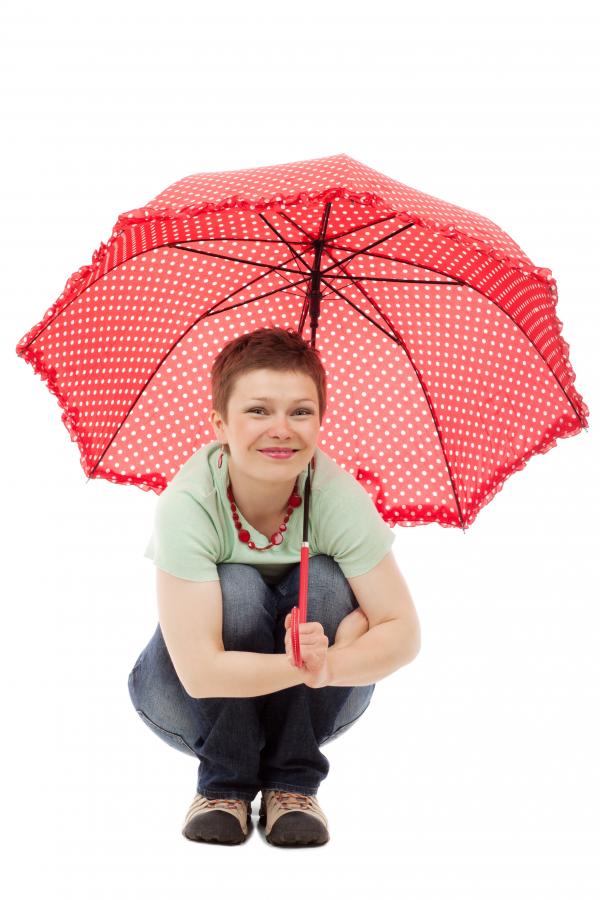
(229, 795)
(294, 788)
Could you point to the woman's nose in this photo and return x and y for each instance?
(280, 427)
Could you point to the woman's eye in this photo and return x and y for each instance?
(259, 408)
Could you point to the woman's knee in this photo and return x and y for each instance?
(158, 696)
(248, 608)
(153, 681)
(333, 597)
(328, 571)
(167, 719)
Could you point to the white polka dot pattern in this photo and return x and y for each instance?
(446, 366)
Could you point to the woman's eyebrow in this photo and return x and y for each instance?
(268, 399)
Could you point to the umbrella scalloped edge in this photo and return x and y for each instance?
(390, 518)
(70, 415)
(70, 418)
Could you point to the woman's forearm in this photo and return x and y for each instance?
(375, 654)
(368, 659)
(236, 673)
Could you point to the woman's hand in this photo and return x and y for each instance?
(352, 626)
(313, 650)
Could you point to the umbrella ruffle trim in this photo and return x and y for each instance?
(397, 516)
(86, 275)
(70, 417)
(146, 214)
(76, 284)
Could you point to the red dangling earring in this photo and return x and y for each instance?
(220, 460)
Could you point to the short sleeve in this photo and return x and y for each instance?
(350, 528)
(185, 542)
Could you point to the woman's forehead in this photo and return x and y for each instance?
(270, 384)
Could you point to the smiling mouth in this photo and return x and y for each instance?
(284, 453)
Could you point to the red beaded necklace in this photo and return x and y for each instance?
(294, 501)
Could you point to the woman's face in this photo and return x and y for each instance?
(289, 417)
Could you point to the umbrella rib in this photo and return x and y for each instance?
(365, 252)
(309, 236)
(281, 238)
(408, 262)
(334, 237)
(465, 284)
(399, 340)
(305, 307)
(299, 257)
(172, 245)
(218, 312)
(249, 262)
(354, 253)
(271, 268)
(394, 280)
(176, 246)
(223, 240)
(204, 315)
(362, 312)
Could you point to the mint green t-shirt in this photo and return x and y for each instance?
(194, 529)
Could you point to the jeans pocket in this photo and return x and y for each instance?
(169, 737)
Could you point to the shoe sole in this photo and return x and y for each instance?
(295, 829)
(216, 827)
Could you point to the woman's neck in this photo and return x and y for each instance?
(258, 502)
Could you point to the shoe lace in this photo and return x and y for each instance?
(291, 800)
(229, 802)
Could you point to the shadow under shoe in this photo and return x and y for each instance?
(292, 819)
(222, 821)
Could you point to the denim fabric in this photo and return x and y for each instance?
(246, 744)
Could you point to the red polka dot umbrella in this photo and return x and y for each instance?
(446, 367)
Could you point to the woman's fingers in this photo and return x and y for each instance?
(314, 659)
(308, 643)
(313, 643)
(316, 647)
(311, 639)
(307, 639)
(306, 627)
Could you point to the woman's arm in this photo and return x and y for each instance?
(383, 649)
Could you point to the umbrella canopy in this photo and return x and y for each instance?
(446, 366)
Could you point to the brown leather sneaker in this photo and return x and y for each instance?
(292, 819)
(220, 821)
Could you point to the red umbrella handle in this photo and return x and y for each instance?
(299, 613)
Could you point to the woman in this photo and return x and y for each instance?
(228, 531)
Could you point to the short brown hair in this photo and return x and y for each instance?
(281, 349)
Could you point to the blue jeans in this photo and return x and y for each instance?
(246, 744)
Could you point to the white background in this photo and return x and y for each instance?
(474, 773)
